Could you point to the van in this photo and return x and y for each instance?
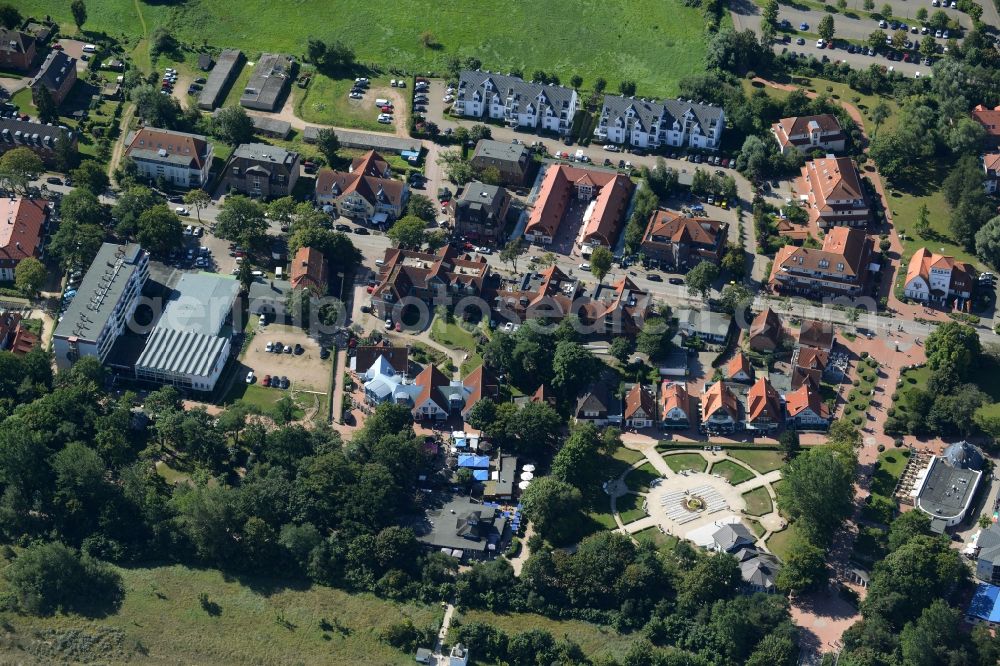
(382, 102)
(89, 48)
(277, 273)
(380, 262)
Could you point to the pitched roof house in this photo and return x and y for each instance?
(365, 355)
(261, 170)
(759, 570)
(765, 331)
(807, 134)
(720, 408)
(517, 102)
(310, 271)
(183, 159)
(990, 120)
(441, 275)
(649, 124)
(57, 74)
(367, 192)
(764, 410)
(640, 407)
(805, 407)
(739, 369)
(816, 334)
(615, 308)
(991, 168)
(17, 49)
(841, 268)
(675, 406)
(937, 278)
(439, 397)
(607, 191)
(731, 537)
(833, 191)
(678, 240)
(22, 222)
(599, 405)
(481, 212)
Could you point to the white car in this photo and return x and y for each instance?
(448, 99)
(508, 327)
(361, 79)
(181, 210)
(355, 95)
(388, 324)
(821, 43)
(384, 118)
(250, 377)
(611, 148)
(585, 266)
(262, 320)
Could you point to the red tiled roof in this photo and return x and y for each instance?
(806, 396)
(798, 126)
(480, 383)
(716, 397)
(21, 224)
(763, 401)
(428, 380)
(674, 396)
(678, 228)
(182, 144)
(923, 260)
(640, 397)
(988, 118)
(766, 325)
(24, 341)
(737, 364)
(370, 164)
(337, 184)
(309, 269)
(558, 189)
(816, 334)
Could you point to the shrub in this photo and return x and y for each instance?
(50, 576)
(857, 420)
(898, 442)
(856, 382)
(881, 448)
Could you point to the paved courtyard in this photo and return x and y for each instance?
(692, 505)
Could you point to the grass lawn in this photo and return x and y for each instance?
(630, 508)
(22, 100)
(891, 464)
(654, 42)
(779, 541)
(905, 207)
(325, 101)
(731, 472)
(263, 398)
(755, 527)
(171, 475)
(682, 461)
(33, 325)
(455, 336)
(762, 461)
(239, 84)
(259, 621)
(597, 504)
(638, 480)
(595, 640)
(663, 542)
(758, 502)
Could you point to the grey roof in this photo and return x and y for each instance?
(758, 568)
(462, 524)
(472, 84)
(22, 132)
(598, 398)
(271, 76)
(499, 150)
(963, 455)
(662, 114)
(55, 68)
(230, 62)
(262, 152)
(732, 536)
(365, 140)
(989, 544)
(201, 302)
(173, 351)
(99, 291)
(706, 321)
(480, 201)
(946, 491)
(271, 126)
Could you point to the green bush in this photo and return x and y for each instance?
(856, 382)
(857, 420)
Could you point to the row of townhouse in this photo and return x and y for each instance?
(725, 406)
(623, 120)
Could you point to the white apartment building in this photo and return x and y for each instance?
(183, 160)
(650, 124)
(515, 101)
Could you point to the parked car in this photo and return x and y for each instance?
(361, 231)
(355, 95)
(266, 381)
(675, 280)
(611, 148)
(343, 228)
(250, 377)
(653, 277)
(181, 210)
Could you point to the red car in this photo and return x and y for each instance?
(57, 47)
(386, 109)
(266, 381)
(399, 327)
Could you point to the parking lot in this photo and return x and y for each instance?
(305, 371)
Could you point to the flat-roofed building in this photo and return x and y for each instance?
(104, 304)
(189, 347)
(481, 212)
(946, 488)
(512, 160)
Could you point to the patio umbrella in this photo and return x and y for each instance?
(524, 484)
(529, 468)
(527, 476)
